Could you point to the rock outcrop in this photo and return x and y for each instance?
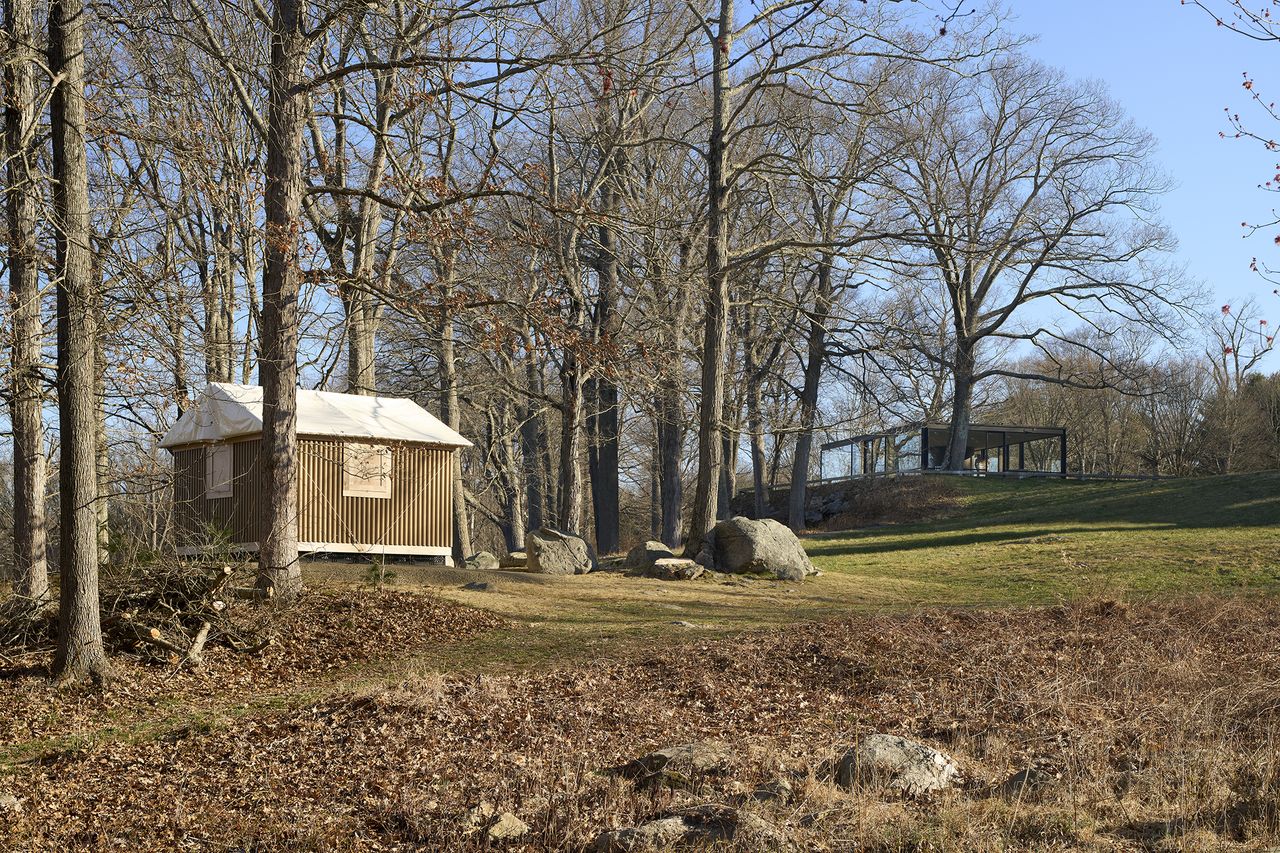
(552, 552)
(644, 555)
(482, 560)
(744, 545)
(898, 764)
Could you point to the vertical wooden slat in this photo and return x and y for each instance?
(417, 513)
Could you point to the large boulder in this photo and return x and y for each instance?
(740, 545)
(702, 826)
(646, 554)
(674, 569)
(482, 560)
(681, 766)
(552, 552)
(514, 560)
(897, 763)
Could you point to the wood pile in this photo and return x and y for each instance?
(167, 614)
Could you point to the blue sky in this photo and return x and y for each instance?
(1175, 71)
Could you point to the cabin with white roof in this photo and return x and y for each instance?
(374, 474)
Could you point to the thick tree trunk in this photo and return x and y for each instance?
(655, 486)
(602, 428)
(533, 448)
(218, 284)
(80, 650)
(816, 360)
(755, 426)
(571, 485)
(452, 416)
(361, 370)
(278, 571)
(728, 471)
(715, 332)
(605, 416)
(30, 570)
(961, 403)
(670, 444)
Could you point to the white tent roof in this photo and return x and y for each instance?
(229, 411)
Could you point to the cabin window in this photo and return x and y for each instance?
(366, 471)
(217, 471)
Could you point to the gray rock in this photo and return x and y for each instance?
(1027, 782)
(777, 790)
(514, 560)
(482, 560)
(898, 764)
(477, 586)
(747, 545)
(507, 826)
(9, 804)
(813, 517)
(674, 569)
(554, 553)
(700, 825)
(680, 766)
(480, 816)
(653, 835)
(646, 554)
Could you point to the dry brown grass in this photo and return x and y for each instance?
(896, 500)
(1155, 724)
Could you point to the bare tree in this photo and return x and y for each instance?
(279, 572)
(1025, 188)
(31, 579)
(80, 650)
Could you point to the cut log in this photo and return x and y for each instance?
(195, 654)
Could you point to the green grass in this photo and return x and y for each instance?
(1038, 541)
(1002, 543)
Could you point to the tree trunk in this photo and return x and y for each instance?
(817, 357)
(755, 426)
(452, 416)
(715, 332)
(533, 442)
(278, 571)
(961, 403)
(80, 650)
(604, 419)
(571, 491)
(728, 471)
(31, 575)
(670, 442)
(510, 460)
(655, 486)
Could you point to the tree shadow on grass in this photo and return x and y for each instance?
(923, 539)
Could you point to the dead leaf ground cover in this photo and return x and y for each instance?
(328, 635)
(1157, 724)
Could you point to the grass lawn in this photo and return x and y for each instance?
(1001, 543)
(1041, 541)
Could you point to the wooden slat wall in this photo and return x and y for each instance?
(417, 513)
(239, 514)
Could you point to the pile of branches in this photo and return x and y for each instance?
(168, 613)
(171, 612)
(27, 625)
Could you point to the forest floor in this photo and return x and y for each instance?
(1123, 637)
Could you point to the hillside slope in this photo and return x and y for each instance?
(1011, 541)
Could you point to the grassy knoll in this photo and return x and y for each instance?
(1001, 543)
(1038, 541)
